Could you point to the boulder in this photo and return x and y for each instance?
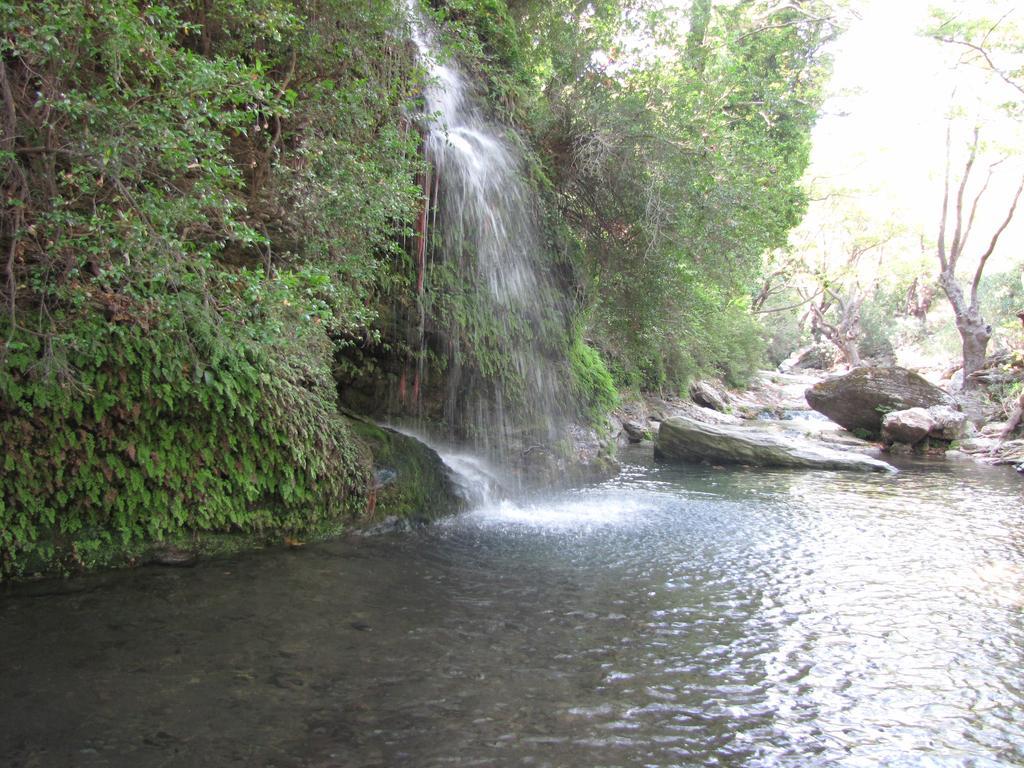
(628, 422)
(819, 357)
(910, 426)
(409, 480)
(584, 455)
(978, 409)
(949, 423)
(687, 440)
(705, 395)
(634, 432)
(859, 399)
(662, 409)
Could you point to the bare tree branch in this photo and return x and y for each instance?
(977, 199)
(943, 262)
(956, 248)
(773, 310)
(988, 60)
(791, 23)
(992, 245)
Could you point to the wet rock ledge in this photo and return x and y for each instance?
(688, 440)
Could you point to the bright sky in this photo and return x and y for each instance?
(883, 130)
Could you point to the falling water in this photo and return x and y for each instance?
(496, 314)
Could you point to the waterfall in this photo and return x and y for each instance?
(485, 289)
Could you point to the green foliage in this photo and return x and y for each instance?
(199, 198)
(488, 353)
(990, 37)
(733, 345)
(783, 331)
(878, 322)
(343, 188)
(134, 430)
(1007, 395)
(877, 341)
(707, 334)
(487, 341)
(593, 383)
(664, 177)
(676, 171)
(887, 326)
(165, 147)
(484, 35)
(1002, 297)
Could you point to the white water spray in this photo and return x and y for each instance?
(481, 218)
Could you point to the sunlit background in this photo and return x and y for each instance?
(882, 134)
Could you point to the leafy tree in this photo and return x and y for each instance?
(677, 171)
(992, 43)
(834, 264)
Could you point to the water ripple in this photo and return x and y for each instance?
(672, 616)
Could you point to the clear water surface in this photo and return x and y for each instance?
(670, 617)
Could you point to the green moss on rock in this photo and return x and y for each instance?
(409, 480)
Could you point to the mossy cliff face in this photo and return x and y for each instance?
(202, 203)
(219, 443)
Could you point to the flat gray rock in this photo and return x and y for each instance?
(686, 440)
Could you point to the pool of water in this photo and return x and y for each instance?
(669, 617)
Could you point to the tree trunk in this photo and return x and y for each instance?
(845, 334)
(205, 34)
(974, 331)
(851, 352)
(1015, 418)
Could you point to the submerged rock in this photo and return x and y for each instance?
(583, 456)
(993, 450)
(859, 400)
(173, 557)
(392, 524)
(687, 440)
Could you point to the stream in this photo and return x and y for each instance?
(669, 617)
